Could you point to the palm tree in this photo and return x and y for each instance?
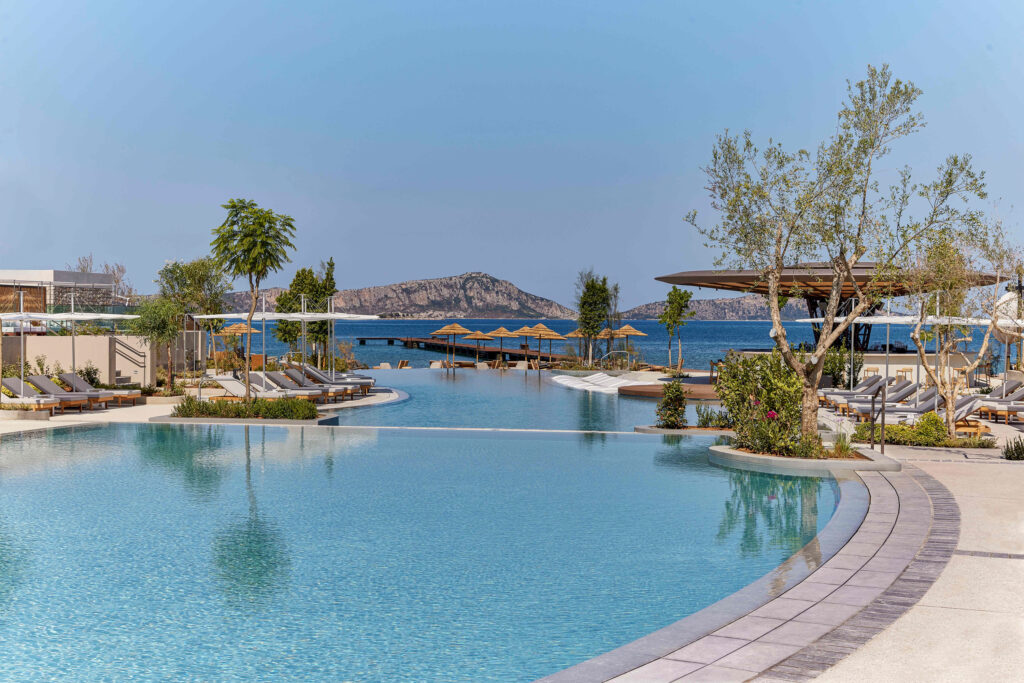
(252, 243)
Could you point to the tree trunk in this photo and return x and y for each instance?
(170, 368)
(248, 338)
(669, 352)
(213, 343)
(809, 408)
(679, 352)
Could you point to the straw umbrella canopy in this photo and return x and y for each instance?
(527, 331)
(445, 332)
(501, 334)
(551, 336)
(456, 329)
(478, 337)
(628, 331)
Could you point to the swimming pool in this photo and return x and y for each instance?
(511, 399)
(243, 553)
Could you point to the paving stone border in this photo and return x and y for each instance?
(906, 539)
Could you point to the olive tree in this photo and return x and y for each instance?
(949, 274)
(777, 208)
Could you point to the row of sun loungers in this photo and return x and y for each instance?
(305, 383)
(905, 402)
(42, 393)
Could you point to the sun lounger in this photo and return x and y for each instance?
(862, 410)
(403, 365)
(236, 390)
(122, 396)
(382, 366)
(1005, 389)
(346, 378)
(338, 390)
(48, 386)
(842, 402)
(24, 391)
(519, 365)
(257, 379)
(435, 365)
(34, 402)
(828, 396)
(329, 392)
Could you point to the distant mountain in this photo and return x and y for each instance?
(748, 307)
(470, 295)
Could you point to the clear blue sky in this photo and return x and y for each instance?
(421, 139)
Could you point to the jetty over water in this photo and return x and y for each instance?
(466, 349)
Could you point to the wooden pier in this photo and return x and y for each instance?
(510, 353)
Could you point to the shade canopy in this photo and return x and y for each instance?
(443, 332)
(457, 329)
(501, 333)
(629, 331)
(607, 333)
(525, 331)
(575, 334)
(237, 328)
(478, 336)
(66, 317)
(550, 335)
(813, 279)
(541, 327)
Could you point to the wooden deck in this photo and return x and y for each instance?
(511, 352)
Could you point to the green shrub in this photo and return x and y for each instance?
(672, 406)
(930, 430)
(809, 447)
(1014, 450)
(837, 364)
(283, 409)
(762, 396)
(90, 373)
(710, 418)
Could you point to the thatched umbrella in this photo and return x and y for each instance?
(445, 332)
(526, 331)
(501, 334)
(551, 337)
(478, 337)
(456, 329)
(628, 331)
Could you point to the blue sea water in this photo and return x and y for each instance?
(229, 553)
(703, 341)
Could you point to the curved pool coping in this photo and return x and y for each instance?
(883, 567)
(846, 519)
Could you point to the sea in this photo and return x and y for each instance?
(703, 341)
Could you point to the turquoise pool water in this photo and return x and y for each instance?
(512, 399)
(168, 552)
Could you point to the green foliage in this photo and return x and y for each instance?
(283, 409)
(842, 447)
(930, 430)
(710, 418)
(594, 303)
(252, 242)
(159, 321)
(90, 373)
(1014, 450)
(837, 364)
(317, 290)
(197, 286)
(672, 406)
(677, 312)
(809, 446)
(762, 395)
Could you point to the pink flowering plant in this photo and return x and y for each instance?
(762, 395)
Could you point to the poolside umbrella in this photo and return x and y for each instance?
(478, 337)
(527, 331)
(576, 334)
(628, 331)
(501, 334)
(551, 336)
(456, 329)
(445, 332)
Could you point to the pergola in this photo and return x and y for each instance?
(813, 282)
